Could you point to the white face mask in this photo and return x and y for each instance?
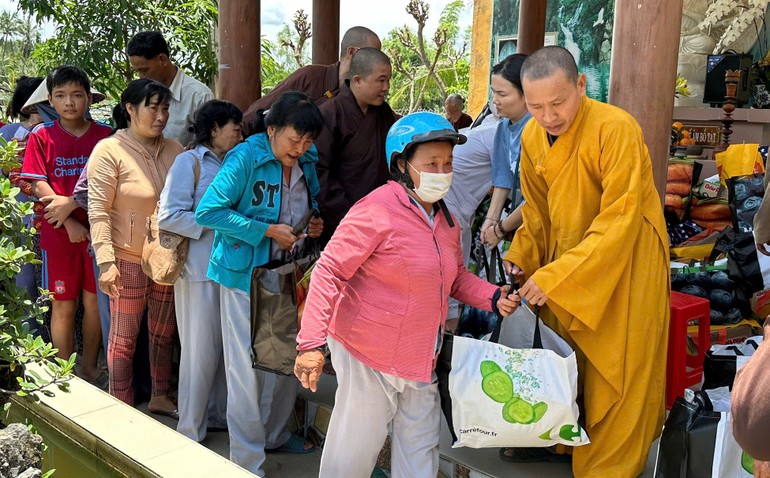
(433, 186)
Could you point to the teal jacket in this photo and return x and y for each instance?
(242, 201)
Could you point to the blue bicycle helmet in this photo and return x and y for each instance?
(416, 128)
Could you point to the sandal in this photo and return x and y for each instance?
(168, 413)
(295, 445)
(532, 455)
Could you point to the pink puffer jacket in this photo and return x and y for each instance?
(381, 285)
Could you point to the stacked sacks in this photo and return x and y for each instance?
(710, 209)
(711, 213)
(679, 183)
(715, 286)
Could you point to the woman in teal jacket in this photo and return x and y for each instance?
(265, 186)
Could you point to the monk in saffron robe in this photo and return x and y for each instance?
(594, 250)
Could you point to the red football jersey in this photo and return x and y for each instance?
(57, 156)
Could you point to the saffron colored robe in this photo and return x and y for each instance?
(594, 240)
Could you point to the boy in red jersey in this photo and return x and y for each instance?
(55, 157)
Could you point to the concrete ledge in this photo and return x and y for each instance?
(93, 431)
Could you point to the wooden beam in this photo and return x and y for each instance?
(481, 50)
(531, 36)
(239, 52)
(326, 31)
(645, 48)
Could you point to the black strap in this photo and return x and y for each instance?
(537, 341)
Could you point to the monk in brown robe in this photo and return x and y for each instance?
(319, 82)
(351, 147)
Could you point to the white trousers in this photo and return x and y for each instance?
(202, 384)
(366, 402)
(258, 403)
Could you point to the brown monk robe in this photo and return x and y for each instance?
(319, 82)
(351, 147)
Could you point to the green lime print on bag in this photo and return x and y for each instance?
(747, 462)
(498, 386)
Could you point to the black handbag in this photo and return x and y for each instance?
(274, 313)
(688, 440)
(719, 370)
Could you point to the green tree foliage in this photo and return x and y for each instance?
(18, 347)
(19, 36)
(93, 35)
(293, 41)
(273, 70)
(426, 70)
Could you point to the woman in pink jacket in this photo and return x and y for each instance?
(379, 301)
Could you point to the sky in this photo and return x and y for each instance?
(381, 16)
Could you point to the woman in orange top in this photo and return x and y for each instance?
(126, 174)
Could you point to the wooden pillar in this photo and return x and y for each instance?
(326, 31)
(645, 48)
(531, 34)
(481, 51)
(239, 79)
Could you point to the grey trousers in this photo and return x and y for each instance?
(366, 402)
(258, 403)
(202, 384)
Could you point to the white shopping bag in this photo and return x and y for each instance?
(730, 461)
(523, 397)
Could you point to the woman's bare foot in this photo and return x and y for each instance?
(163, 405)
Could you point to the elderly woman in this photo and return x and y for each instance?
(126, 173)
(263, 190)
(379, 300)
(202, 386)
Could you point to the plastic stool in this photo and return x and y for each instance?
(683, 370)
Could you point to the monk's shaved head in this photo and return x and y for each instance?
(547, 61)
(365, 60)
(359, 37)
(553, 89)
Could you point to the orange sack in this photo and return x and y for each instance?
(711, 212)
(680, 188)
(679, 172)
(674, 200)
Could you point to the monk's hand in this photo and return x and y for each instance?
(762, 248)
(533, 294)
(282, 234)
(315, 227)
(308, 366)
(508, 302)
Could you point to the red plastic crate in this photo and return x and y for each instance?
(683, 370)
